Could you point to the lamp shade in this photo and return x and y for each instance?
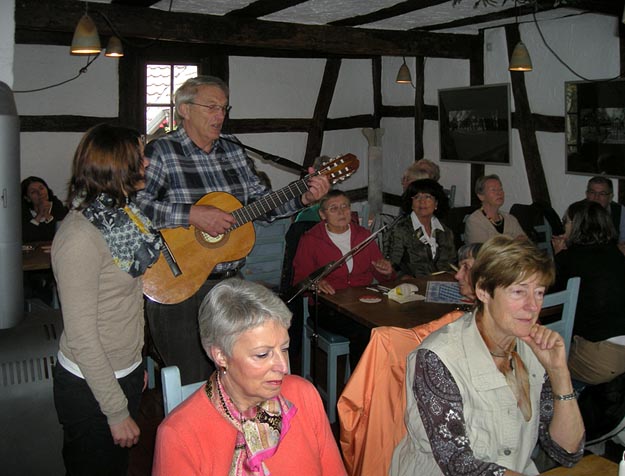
(403, 75)
(86, 40)
(114, 48)
(520, 59)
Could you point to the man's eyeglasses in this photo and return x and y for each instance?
(214, 108)
(592, 193)
(336, 208)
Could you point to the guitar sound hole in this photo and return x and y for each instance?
(208, 241)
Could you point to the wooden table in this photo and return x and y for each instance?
(388, 312)
(37, 258)
(591, 465)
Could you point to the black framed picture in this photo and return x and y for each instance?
(595, 127)
(474, 124)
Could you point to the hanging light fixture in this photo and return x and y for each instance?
(86, 40)
(403, 75)
(520, 59)
(114, 48)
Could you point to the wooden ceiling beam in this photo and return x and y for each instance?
(148, 23)
(260, 8)
(389, 12)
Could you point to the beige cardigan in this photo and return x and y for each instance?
(102, 309)
(478, 228)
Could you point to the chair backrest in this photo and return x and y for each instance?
(174, 393)
(568, 298)
(264, 263)
(451, 195)
(543, 236)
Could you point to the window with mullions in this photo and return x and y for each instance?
(162, 80)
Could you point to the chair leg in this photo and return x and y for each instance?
(331, 379)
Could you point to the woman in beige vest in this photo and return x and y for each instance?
(482, 390)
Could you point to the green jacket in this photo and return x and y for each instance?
(410, 256)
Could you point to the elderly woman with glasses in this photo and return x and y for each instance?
(420, 244)
(252, 417)
(485, 388)
(328, 241)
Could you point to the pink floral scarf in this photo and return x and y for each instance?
(259, 429)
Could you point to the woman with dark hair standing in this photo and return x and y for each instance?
(420, 244)
(41, 210)
(589, 250)
(99, 253)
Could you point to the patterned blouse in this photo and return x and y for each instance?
(440, 406)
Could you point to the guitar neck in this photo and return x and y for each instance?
(269, 202)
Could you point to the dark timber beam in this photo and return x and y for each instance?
(526, 127)
(388, 12)
(260, 8)
(476, 77)
(148, 23)
(419, 107)
(324, 100)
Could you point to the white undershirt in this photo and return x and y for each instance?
(343, 242)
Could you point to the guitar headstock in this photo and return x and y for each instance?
(339, 168)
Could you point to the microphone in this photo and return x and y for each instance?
(267, 156)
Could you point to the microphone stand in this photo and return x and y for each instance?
(311, 283)
(267, 156)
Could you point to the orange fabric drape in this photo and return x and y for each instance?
(371, 408)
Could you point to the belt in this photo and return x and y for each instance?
(224, 274)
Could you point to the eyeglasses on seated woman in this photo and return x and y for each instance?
(252, 417)
(488, 386)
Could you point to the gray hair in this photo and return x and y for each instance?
(599, 180)
(423, 168)
(234, 306)
(468, 251)
(185, 94)
(480, 183)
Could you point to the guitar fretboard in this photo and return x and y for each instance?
(268, 203)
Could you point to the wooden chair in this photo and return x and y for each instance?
(174, 393)
(334, 346)
(568, 300)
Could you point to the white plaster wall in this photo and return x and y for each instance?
(274, 87)
(589, 45)
(94, 93)
(7, 35)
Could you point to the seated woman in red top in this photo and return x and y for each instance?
(252, 417)
(328, 241)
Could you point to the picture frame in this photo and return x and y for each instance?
(475, 124)
(594, 127)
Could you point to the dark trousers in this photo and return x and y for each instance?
(88, 447)
(176, 337)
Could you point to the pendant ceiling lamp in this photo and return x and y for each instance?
(520, 59)
(86, 40)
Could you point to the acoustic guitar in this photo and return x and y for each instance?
(191, 254)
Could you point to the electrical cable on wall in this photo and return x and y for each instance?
(90, 60)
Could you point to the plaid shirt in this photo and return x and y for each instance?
(180, 173)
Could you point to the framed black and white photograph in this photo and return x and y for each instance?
(474, 124)
(595, 128)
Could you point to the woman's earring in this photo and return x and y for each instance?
(224, 370)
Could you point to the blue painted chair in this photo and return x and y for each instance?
(334, 346)
(174, 393)
(567, 298)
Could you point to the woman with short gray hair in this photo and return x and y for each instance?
(252, 416)
(489, 220)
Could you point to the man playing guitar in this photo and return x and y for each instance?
(185, 165)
